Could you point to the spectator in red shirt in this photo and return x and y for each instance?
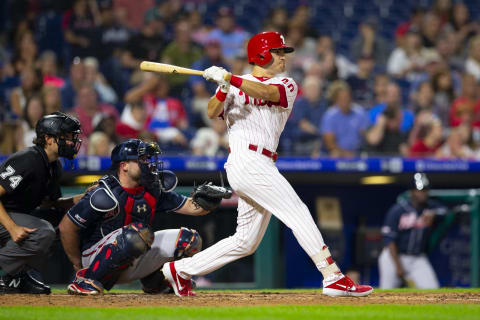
(413, 24)
(466, 108)
(165, 116)
(88, 107)
(132, 121)
(429, 139)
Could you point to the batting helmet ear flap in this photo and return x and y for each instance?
(264, 58)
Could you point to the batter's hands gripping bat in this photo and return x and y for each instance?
(168, 68)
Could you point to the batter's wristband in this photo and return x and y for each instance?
(221, 96)
(236, 81)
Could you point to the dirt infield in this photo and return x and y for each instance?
(240, 298)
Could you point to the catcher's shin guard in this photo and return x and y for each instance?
(188, 243)
(134, 240)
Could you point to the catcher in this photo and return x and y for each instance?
(107, 235)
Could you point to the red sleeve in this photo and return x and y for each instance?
(67, 17)
(454, 119)
(417, 149)
(125, 131)
(283, 95)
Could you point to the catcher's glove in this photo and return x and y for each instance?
(208, 196)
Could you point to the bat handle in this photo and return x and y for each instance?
(227, 76)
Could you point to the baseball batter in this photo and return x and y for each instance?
(256, 107)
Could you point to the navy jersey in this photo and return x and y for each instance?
(134, 205)
(29, 178)
(405, 226)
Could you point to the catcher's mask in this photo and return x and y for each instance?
(147, 154)
(149, 158)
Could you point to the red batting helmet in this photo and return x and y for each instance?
(260, 45)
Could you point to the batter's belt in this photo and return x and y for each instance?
(267, 153)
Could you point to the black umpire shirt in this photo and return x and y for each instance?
(29, 178)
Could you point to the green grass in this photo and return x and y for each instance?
(372, 312)
(330, 312)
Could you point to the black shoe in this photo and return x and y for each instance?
(32, 282)
(155, 283)
(10, 284)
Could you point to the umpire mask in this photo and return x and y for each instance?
(68, 150)
(64, 128)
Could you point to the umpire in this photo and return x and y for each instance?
(28, 179)
(407, 227)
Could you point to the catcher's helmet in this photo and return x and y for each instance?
(260, 45)
(133, 149)
(147, 153)
(420, 181)
(58, 125)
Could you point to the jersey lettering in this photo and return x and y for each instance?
(290, 85)
(8, 172)
(247, 98)
(14, 180)
(255, 101)
(410, 220)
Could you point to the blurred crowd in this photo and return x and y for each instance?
(414, 94)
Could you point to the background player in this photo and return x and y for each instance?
(107, 235)
(256, 107)
(29, 178)
(405, 232)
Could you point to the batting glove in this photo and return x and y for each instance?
(216, 74)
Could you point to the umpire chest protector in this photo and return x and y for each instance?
(122, 206)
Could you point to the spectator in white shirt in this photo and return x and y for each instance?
(472, 65)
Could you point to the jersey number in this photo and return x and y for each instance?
(14, 180)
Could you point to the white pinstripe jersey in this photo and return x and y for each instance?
(257, 121)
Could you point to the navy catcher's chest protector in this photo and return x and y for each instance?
(135, 205)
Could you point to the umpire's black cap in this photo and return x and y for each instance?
(420, 182)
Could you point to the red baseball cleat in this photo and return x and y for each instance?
(181, 287)
(343, 286)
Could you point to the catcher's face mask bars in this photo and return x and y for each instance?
(149, 155)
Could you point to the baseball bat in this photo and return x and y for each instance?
(167, 68)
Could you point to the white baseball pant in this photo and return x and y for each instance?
(417, 268)
(263, 191)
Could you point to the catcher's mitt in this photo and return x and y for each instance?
(208, 196)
